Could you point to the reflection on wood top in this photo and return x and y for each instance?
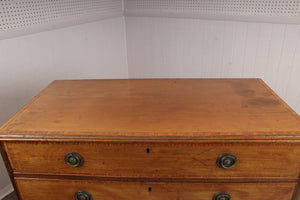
(160, 108)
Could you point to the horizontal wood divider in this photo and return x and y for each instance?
(19, 175)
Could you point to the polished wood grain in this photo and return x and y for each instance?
(187, 160)
(62, 190)
(163, 108)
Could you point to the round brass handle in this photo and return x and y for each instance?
(73, 159)
(222, 196)
(226, 160)
(83, 195)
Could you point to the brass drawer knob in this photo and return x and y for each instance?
(73, 159)
(83, 195)
(226, 160)
(222, 196)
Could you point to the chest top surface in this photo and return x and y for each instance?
(154, 108)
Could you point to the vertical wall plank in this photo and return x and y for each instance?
(238, 54)
(227, 48)
(275, 51)
(251, 50)
(292, 93)
(287, 55)
(262, 51)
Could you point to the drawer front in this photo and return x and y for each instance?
(156, 159)
(62, 190)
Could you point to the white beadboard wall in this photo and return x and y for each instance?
(194, 48)
(29, 63)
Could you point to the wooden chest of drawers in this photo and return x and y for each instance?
(188, 139)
